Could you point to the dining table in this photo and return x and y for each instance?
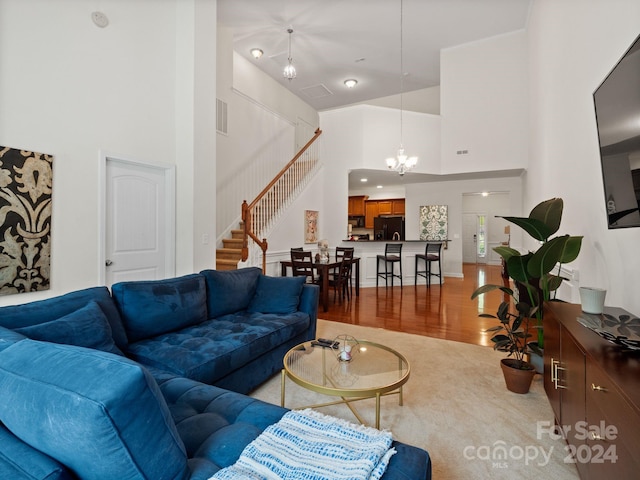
(324, 269)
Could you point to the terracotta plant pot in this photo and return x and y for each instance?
(518, 380)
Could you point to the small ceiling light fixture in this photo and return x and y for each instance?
(289, 71)
(401, 163)
(363, 180)
(351, 82)
(256, 52)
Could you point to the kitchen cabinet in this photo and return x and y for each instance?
(356, 205)
(594, 392)
(397, 206)
(371, 212)
(384, 207)
(374, 208)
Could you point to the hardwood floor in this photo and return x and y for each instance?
(443, 312)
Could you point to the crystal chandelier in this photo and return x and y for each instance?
(289, 71)
(401, 163)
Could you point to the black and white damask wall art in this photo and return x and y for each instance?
(25, 220)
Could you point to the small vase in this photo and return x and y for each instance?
(518, 380)
(592, 300)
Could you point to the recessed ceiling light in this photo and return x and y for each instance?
(378, 186)
(485, 194)
(363, 180)
(351, 82)
(256, 52)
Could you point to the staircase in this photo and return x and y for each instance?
(230, 254)
(259, 216)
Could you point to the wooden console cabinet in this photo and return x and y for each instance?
(594, 389)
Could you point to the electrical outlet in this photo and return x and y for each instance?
(205, 239)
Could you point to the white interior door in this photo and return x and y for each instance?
(139, 225)
(469, 238)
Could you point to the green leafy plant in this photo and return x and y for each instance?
(533, 270)
(513, 327)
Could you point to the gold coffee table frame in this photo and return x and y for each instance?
(318, 379)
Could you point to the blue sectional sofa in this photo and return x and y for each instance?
(147, 381)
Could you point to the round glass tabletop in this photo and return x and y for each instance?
(373, 369)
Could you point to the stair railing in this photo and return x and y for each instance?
(260, 214)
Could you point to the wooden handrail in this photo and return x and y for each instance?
(271, 189)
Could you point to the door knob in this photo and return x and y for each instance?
(108, 263)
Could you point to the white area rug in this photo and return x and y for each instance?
(456, 407)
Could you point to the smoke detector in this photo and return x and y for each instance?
(100, 19)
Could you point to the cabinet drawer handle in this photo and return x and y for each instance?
(555, 366)
(598, 388)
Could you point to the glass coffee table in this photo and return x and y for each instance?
(374, 371)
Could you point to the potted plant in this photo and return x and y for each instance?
(512, 338)
(532, 272)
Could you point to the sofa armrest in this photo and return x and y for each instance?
(309, 304)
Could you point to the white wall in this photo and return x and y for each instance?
(484, 105)
(451, 194)
(263, 117)
(426, 100)
(71, 89)
(572, 46)
(203, 200)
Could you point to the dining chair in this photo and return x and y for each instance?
(342, 279)
(392, 255)
(340, 251)
(432, 254)
(302, 265)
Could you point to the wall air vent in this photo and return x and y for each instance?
(316, 91)
(221, 117)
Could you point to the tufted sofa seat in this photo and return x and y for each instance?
(208, 350)
(216, 424)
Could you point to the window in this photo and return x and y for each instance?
(482, 236)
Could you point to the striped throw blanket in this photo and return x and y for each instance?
(307, 445)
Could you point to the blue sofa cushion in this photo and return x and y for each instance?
(154, 307)
(277, 295)
(21, 461)
(8, 337)
(212, 349)
(101, 415)
(42, 311)
(87, 327)
(230, 291)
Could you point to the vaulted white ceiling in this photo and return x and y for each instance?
(334, 40)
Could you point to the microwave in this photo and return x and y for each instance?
(356, 221)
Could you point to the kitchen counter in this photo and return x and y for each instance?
(402, 241)
(368, 250)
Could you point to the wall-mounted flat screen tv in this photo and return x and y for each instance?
(617, 105)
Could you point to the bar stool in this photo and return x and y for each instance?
(392, 255)
(432, 253)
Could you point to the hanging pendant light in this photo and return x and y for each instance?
(401, 163)
(289, 71)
